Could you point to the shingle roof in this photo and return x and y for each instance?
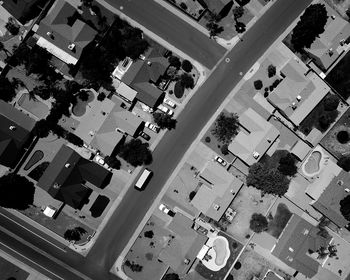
(12, 141)
(66, 177)
(297, 238)
(63, 34)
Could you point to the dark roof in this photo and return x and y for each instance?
(297, 238)
(67, 176)
(12, 141)
(63, 34)
(142, 75)
(23, 10)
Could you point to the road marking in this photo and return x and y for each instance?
(33, 233)
(13, 250)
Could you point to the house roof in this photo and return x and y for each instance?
(326, 46)
(297, 238)
(128, 122)
(256, 135)
(64, 33)
(300, 150)
(214, 198)
(297, 83)
(127, 92)
(186, 244)
(20, 9)
(66, 177)
(328, 202)
(142, 73)
(12, 141)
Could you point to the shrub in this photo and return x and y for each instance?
(183, 6)
(101, 96)
(192, 195)
(12, 27)
(186, 66)
(276, 83)
(258, 84)
(343, 137)
(287, 165)
(226, 127)
(238, 12)
(149, 234)
(174, 61)
(207, 139)
(258, 223)
(266, 94)
(271, 71)
(237, 265)
(331, 103)
(224, 149)
(179, 90)
(344, 162)
(187, 81)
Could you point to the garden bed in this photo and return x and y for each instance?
(34, 159)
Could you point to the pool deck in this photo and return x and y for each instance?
(212, 252)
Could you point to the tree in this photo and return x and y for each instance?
(186, 66)
(344, 162)
(225, 10)
(171, 276)
(226, 127)
(87, 3)
(7, 90)
(16, 192)
(287, 165)
(310, 26)
(43, 92)
(258, 84)
(12, 26)
(113, 162)
(258, 223)
(345, 207)
(136, 153)
(74, 234)
(271, 70)
(224, 149)
(172, 72)
(214, 29)
(187, 80)
(164, 121)
(174, 61)
(270, 181)
(331, 102)
(238, 12)
(42, 128)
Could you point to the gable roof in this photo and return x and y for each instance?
(66, 177)
(214, 198)
(128, 122)
(62, 34)
(12, 141)
(186, 244)
(300, 84)
(256, 135)
(297, 238)
(327, 46)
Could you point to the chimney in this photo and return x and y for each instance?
(12, 127)
(67, 165)
(298, 98)
(149, 63)
(333, 17)
(71, 46)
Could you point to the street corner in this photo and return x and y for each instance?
(252, 71)
(117, 268)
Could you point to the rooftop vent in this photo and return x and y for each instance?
(12, 127)
(67, 165)
(298, 98)
(333, 17)
(71, 46)
(149, 63)
(216, 207)
(256, 155)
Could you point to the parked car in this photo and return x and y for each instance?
(145, 136)
(169, 102)
(99, 159)
(220, 160)
(165, 209)
(152, 127)
(166, 110)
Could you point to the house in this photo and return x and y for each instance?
(217, 192)
(328, 46)
(297, 245)
(63, 34)
(298, 93)
(70, 178)
(24, 10)
(145, 76)
(255, 137)
(328, 191)
(15, 134)
(181, 251)
(126, 92)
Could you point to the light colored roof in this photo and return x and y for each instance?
(256, 135)
(311, 90)
(128, 122)
(336, 29)
(93, 120)
(126, 91)
(214, 198)
(300, 150)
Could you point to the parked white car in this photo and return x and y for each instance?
(165, 209)
(169, 102)
(166, 110)
(152, 127)
(220, 160)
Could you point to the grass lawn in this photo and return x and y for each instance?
(58, 225)
(9, 270)
(279, 221)
(330, 141)
(235, 249)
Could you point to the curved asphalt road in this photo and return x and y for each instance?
(170, 150)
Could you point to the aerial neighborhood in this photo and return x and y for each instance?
(175, 139)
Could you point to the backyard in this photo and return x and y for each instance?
(235, 249)
(336, 140)
(143, 255)
(10, 271)
(251, 264)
